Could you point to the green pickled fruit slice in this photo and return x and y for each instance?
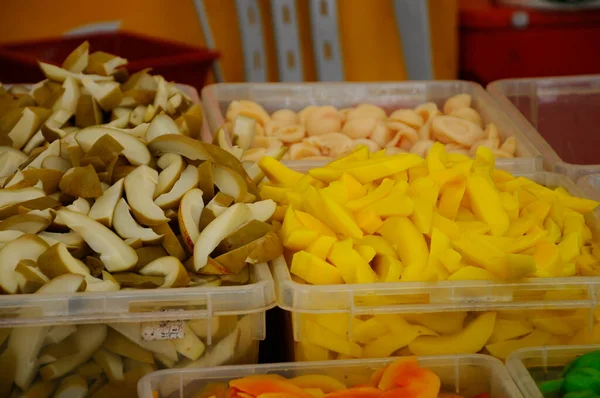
(120, 345)
(248, 233)
(582, 379)
(207, 180)
(551, 388)
(589, 360)
(265, 248)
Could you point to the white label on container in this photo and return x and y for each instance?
(162, 330)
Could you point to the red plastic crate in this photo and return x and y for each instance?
(174, 61)
(498, 42)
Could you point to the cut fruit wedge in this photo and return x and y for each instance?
(172, 166)
(230, 182)
(190, 210)
(104, 207)
(57, 74)
(29, 277)
(171, 268)
(81, 182)
(104, 64)
(161, 125)
(190, 346)
(188, 180)
(57, 260)
(140, 185)
(133, 332)
(26, 247)
(70, 97)
(10, 161)
(26, 223)
(262, 210)
(66, 283)
(134, 150)
(127, 228)
(114, 253)
(24, 129)
(108, 94)
(231, 219)
(77, 61)
(52, 150)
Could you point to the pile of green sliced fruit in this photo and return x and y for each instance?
(105, 187)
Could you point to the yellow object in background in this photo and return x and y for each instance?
(371, 45)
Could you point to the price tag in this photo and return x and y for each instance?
(162, 330)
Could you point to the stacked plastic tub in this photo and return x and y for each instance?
(52, 341)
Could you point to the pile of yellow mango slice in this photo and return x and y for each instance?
(368, 218)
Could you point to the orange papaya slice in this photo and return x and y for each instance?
(397, 373)
(216, 390)
(326, 383)
(408, 380)
(264, 384)
(376, 376)
(357, 392)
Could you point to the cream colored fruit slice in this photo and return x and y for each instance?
(26, 223)
(169, 267)
(74, 386)
(9, 236)
(230, 182)
(188, 180)
(106, 284)
(57, 74)
(190, 210)
(52, 150)
(25, 343)
(66, 283)
(135, 150)
(29, 277)
(71, 239)
(137, 115)
(162, 93)
(172, 165)
(35, 141)
(80, 205)
(244, 130)
(57, 260)
(104, 207)
(231, 219)
(190, 346)
(262, 210)
(77, 61)
(24, 129)
(10, 162)
(86, 340)
(58, 333)
(70, 97)
(161, 125)
(26, 247)
(204, 328)
(116, 255)
(111, 364)
(127, 228)
(140, 185)
(108, 94)
(56, 163)
(11, 197)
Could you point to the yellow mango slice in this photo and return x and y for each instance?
(422, 214)
(387, 268)
(447, 226)
(290, 222)
(442, 323)
(547, 257)
(399, 325)
(378, 243)
(475, 227)
(450, 259)
(314, 270)
(359, 153)
(586, 336)
(321, 247)
(354, 188)
(370, 170)
(499, 175)
(295, 199)
(573, 222)
(480, 251)
(387, 344)
(305, 351)
(368, 221)
(300, 239)
(470, 273)
(373, 197)
(337, 323)
(508, 329)
(538, 209)
(276, 172)
(470, 340)
(395, 204)
(340, 256)
(313, 223)
(436, 158)
(368, 331)
(581, 205)
(527, 241)
(366, 252)
(559, 325)
(279, 214)
(336, 191)
(486, 204)
(570, 247)
(450, 199)
(326, 174)
(516, 266)
(503, 349)
(587, 265)
(510, 204)
(277, 194)
(465, 215)
(410, 246)
(323, 337)
(440, 243)
(401, 176)
(457, 158)
(340, 219)
(521, 225)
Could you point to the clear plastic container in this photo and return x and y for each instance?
(467, 375)
(590, 184)
(324, 315)
(559, 116)
(544, 362)
(389, 96)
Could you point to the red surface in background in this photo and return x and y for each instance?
(174, 61)
(552, 43)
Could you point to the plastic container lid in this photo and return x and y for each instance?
(519, 363)
(389, 96)
(590, 184)
(466, 375)
(559, 116)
